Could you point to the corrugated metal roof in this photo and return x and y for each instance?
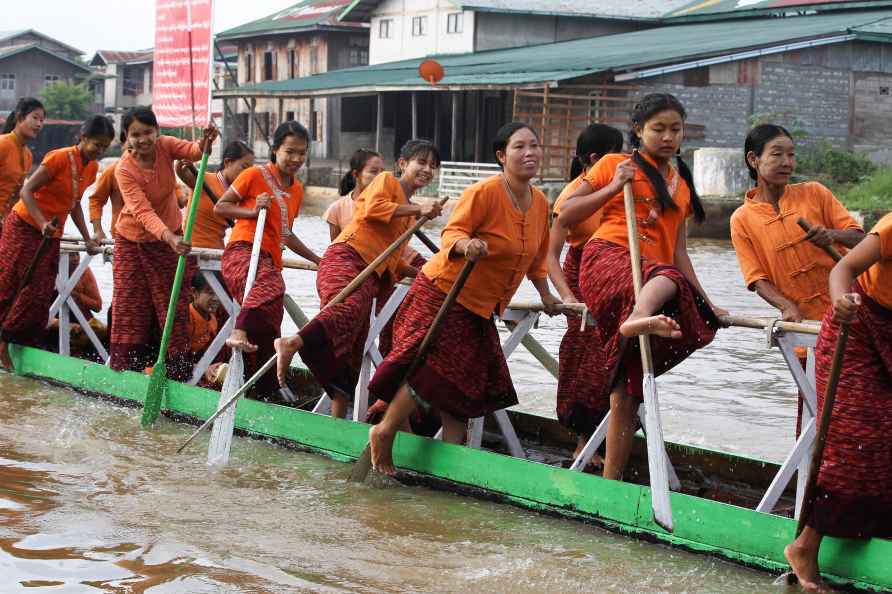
(306, 14)
(12, 50)
(4, 35)
(624, 9)
(123, 57)
(573, 59)
(742, 8)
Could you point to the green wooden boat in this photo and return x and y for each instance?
(713, 514)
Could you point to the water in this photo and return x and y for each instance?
(90, 504)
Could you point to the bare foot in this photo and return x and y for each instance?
(239, 340)
(638, 325)
(5, 360)
(382, 450)
(805, 567)
(285, 350)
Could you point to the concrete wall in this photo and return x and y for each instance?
(499, 30)
(402, 44)
(30, 68)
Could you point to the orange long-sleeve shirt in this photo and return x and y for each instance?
(15, 163)
(59, 195)
(517, 243)
(150, 203)
(209, 229)
(201, 331)
(249, 185)
(579, 235)
(106, 189)
(657, 231)
(877, 280)
(771, 246)
(86, 294)
(374, 227)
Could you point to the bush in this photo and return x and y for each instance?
(874, 193)
(67, 102)
(822, 160)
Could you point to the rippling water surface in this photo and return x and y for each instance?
(89, 503)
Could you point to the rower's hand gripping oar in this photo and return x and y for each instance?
(158, 378)
(656, 451)
(831, 251)
(341, 296)
(364, 463)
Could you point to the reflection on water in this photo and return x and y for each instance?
(90, 503)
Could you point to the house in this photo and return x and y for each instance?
(825, 67)
(126, 78)
(305, 39)
(29, 61)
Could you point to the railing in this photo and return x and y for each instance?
(456, 176)
(520, 319)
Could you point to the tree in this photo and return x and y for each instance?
(67, 102)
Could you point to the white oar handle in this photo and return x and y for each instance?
(255, 252)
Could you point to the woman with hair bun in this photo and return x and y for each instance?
(365, 165)
(22, 126)
(672, 306)
(48, 197)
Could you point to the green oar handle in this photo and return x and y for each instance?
(155, 392)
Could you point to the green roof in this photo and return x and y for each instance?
(573, 59)
(724, 9)
(303, 16)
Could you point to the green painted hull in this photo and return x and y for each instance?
(735, 533)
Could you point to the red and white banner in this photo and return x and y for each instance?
(179, 99)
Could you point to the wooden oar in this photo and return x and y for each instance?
(806, 226)
(427, 241)
(656, 451)
(221, 436)
(32, 266)
(158, 378)
(341, 296)
(364, 463)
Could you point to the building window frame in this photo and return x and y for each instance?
(51, 79)
(293, 64)
(249, 67)
(419, 26)
(269, 65)
(133, 80)
(358, 56)
(385, 29)
(455, 23)
(314, 60)
(7, 82)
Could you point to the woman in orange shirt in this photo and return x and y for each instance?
(48, 197)
(22, 126)
(577, 360)
(210, 229)
(672, 306)
(853, 497)
(148, 242)
(273, 186)
(502, 224)
(331, 344)
(365, 165)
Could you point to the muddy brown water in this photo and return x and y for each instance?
(91, 503)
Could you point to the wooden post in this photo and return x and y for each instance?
(453, 150)
(543, 133)
(414, 114)
(281, 112)
(252, 106)
(379, 124)
(436, 97)
(313, 123)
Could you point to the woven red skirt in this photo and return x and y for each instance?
(24, 313)
(606, 284)
(385, 337)
(464, 373)
(579, 361)
(261, 312)
(854, 492)
(143, 277)
(334, 339)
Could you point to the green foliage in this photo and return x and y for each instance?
(823, 160)
(872, 195)
(67, 102)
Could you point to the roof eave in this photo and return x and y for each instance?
(606, 17)
(290, 31)
(763, 12)
(38, 47)
(374, 89)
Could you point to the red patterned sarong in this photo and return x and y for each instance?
(606, 284)
(579, 361)
(464, 373)
(334, 339)
(143, 277)
(854, 493)
(385, 337)
(24, 313)
(262, 311)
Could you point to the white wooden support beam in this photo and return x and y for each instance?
(800, 452)
(67, 287)
(64, 320)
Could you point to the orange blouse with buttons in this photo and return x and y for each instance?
(517, 243)
(579, 235)
(15, 163)
(771, 246)
(106, 189)
(877, 280)
(59, 195)
(374, 227)
(657, 231)
(249, 185)
(209, 229)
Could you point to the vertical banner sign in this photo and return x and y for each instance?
(183, 41)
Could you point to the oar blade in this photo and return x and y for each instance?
(362, 466)
(656, 456)
(154, 394)
(221, 434)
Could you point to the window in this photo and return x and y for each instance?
(293, 64)
(289, 116)
(132, 81)
(359, 56)
(269, 66)
(454, 22)
(249, 67)
(385, 28)
(7, 82)
(419, 26)
(50, 79)
(314, 60)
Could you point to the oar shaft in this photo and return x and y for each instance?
(427, 241)
(831, 251)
